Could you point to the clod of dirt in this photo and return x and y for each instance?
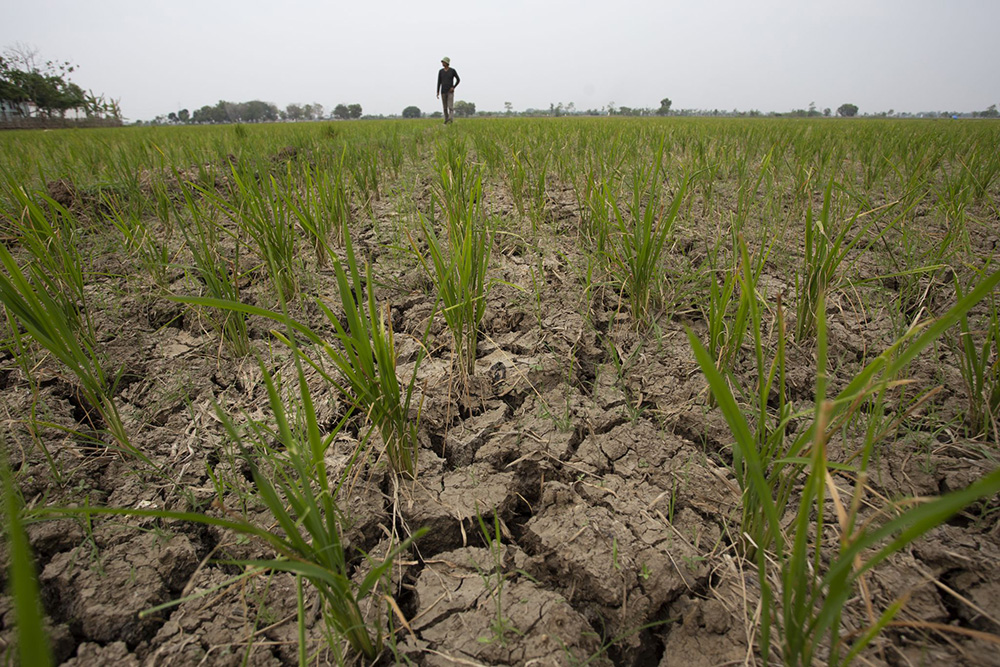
(447, 505)
(705, 636)
(617, 561)
(95, 655)
(51, 537)
(463, 441)
(627, 449)
(62, 191)
(458, 616)
(217, 629)
(101, 599)
(286, 154)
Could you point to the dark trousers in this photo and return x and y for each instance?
(448, 102)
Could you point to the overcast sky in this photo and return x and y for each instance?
(771, 55)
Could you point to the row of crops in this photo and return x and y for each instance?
(295, 246)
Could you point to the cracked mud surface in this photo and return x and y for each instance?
(590, 443)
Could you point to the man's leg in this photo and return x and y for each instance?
(451, 107)
(445, 97)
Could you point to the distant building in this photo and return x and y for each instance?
(10, 110)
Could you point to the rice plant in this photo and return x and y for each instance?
(322, 208)
(219, 275)
(827, 246)
(264, 212)
(728, 311)
(302, 502)
(139, 240)
(808, 604)
(640, 236)
(49, 233)
(459, 270)
(979, 362)
(459, 266)
(47, 323)
(32, 642)
(368, 364)
(364, 363)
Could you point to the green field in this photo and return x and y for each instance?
(510, 391)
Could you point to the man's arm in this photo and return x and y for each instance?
(437, 91)
(458, 80)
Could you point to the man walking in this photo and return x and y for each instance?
(447, 82)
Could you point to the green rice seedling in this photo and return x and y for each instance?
(807, 607)
(517, 178)
(322, 209)
(261, 207)
(807, 611)
(979, 362)
(32, 641)
(748, 194)
(19, 347)
(727, 328)
(50, 234)
(302, 501)
(365, 364)
(955, 191)
(459, 269)
(457, 178)
(391, 147)
(220, 277)
(139, 240)
(368, 363)
(47, 323)
(495, 579)
(766, 462)
(363, 163)
(826, 249)
(595, 213)
(536, 187)
(639, 237)
(491, 152)
(983, 166)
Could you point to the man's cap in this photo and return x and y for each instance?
(446, 60)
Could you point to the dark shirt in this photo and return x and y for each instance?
(447, 79)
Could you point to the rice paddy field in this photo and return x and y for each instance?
(602, 391)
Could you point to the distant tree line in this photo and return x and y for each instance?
(30, 88)
(257, 111)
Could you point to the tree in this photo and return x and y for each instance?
(847, 110)
(465, 109)
(340, 111)
(991, 112)
(411, 112)
(256, 111)
(25, 84)
(508, 108)
(826, 112)
(294, 112)
(354, 110)
(664, 109)
(183, 115)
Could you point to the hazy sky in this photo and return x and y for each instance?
(771, 55)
